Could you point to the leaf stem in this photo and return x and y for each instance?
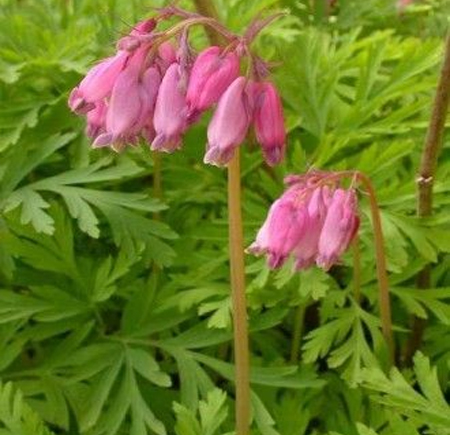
(237, 267)
(425, 181)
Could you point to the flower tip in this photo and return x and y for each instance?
(218, 157)
(165, 144)
(78, 104)
(275, 261)
(325, 262)
(254, 249)
(274, 156)
(103, 140)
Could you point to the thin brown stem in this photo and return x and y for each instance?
(299, 321)
(425, 182)
(239, 304)
(380, 255)
(237, 267)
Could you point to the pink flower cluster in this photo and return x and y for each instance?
(155, 89)
(314, 220)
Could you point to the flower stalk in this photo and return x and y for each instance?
(425, 182)
(380, 256)
(237, 266)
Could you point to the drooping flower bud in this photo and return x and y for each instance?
(148, 91)
(96, 120)
(167, 55)
(281, 231)
(229, 124)
(339, 228)
(269, 122)
(140, 33)
(314, 220)
(97, 84)
(124, 107)
(170, 112)
(306, 250)
(211, 75)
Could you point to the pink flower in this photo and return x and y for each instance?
(124, 107)
(96, 120)
(306, 250)
(170, 112)
(339, 228)
(313, 220)
(97, 84)
(281, 231)
(229, 124)
(140, 33)
(148, 91)
(269, 122)
(167, 55)
(211, 75)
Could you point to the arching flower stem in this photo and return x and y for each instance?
(380, 256)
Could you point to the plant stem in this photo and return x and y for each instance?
(425, 181)
(237, 267)
(383, 283)
(239, 304)
(298, 332)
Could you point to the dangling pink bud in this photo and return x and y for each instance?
(140, 33)
(170, 112)
(143, 27)
(269, 122)
(97, 84)
(167, 55)
(229, 124)
(124, 107)
(280, 232)
(211, 75)
(339, 228)
(96, 120)
(306, 250)
(148, 91)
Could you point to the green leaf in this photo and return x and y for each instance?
(212, 413)
(16, 417)
(428, 406)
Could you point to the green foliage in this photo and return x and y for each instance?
(212, 413)
(16, 417)
(115, 310)
(425, 408)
